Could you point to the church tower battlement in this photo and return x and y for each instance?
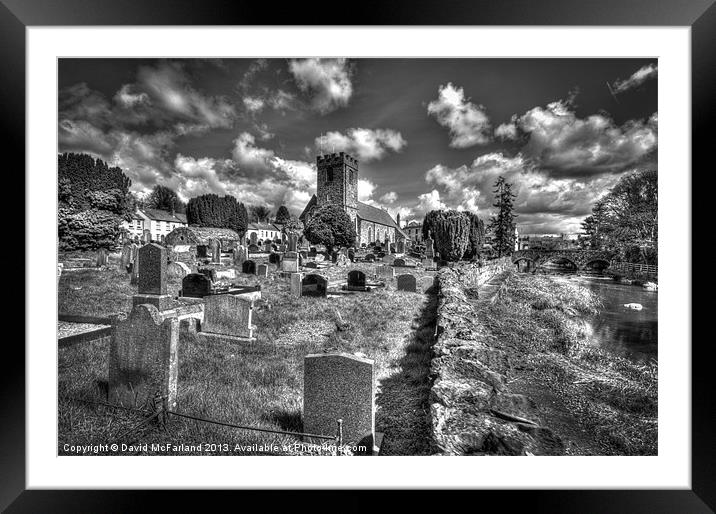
(337, 182)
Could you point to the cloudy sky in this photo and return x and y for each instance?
(428, 133)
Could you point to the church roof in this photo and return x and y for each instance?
(311, 203)
(369, 213)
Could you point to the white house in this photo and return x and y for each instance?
(263, 231)
(158, 222)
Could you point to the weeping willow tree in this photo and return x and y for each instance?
(450, 231)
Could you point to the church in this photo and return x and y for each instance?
(337, 183)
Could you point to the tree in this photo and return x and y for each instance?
(282, 215)
(625, 220)
(477, 235)
(451, 232)
(212, 210)
(292, 225)
(93, 200)
(165, 199)
(259, 213)
(503, 224)
(330, 226)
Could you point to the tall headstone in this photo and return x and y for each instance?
(406, 282)
(125, 258)
(268, 247)
(253, 238)
(240, 255)
(290, 262)
(135, 264)
(101, 257)
(292, 242)
(152, 283)
(429, 249)
(262, 270)
(340, 386)
(215, 246)
(400, 246)
(296, 281)
(249, 267)
(144, 358)
(228, 315)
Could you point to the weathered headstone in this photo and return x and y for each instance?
(240, 255)
(340, 386)
(406, 282)
(290, 262)
(428, 263)
(144, 359)
(399, 262)
(275, 258)
(352, 254)
(292, 242)
(177, 270)
(253, 248)
(125, 258)
(400, 246)
(195, 285)
(215, 246)
(386, 272)
(388, 259)
(268, 247)
(262, 270)
(311, 265)
(296, 284)
(152, 283)
(228, 315)
(101, 257)
(426, 283)
(429, 250)
(249, 267)
(314, 285)
(253, 238)
(370, 258)
(135, 265)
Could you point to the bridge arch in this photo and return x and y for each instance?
(596, 264)
(524, 264)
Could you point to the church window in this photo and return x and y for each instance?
(330, 175)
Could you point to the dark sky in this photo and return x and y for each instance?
(429, 133)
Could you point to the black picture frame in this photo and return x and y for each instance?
(17, 15)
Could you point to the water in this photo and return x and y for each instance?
(630, 333)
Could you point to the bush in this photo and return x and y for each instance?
(330, 226)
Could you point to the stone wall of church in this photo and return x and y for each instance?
(371, 232)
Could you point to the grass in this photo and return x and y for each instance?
(259, 384)
(539, 319)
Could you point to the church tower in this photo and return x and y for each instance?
(337, 182)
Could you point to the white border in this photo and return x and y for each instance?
(671, 469)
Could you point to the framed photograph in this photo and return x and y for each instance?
(401, 233)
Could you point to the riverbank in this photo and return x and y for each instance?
(516, 374)
(597, 400)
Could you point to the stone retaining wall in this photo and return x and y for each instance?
(472, 411)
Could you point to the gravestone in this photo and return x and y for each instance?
(292, 242)
(426, 283)
(253, 238)
(268, 247)
(249, 267)
(370, 258)
(262, 270)
(407, 282)
(125, 258)
(352, 254)
(399, 262)
(311, 265)
(429, 250)
(215, 246)
(228, 315)
(400, 246)
(209, 272)
(356, 278)
(144, 358)
(152, 282)
(428, 263)
(340, 386)
(314, 285)
(388, 259)
(296, 284)
(240, 255)
(101, 257)
(385, 272)
(253, 248)
(135, 264)
(275, 258)
(177, 270)
(290, 262)
(312, 251)
(195, 285)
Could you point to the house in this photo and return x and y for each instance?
(414, 230)
(158, 222)
(337, 184)
(263, 232)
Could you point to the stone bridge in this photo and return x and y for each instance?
(580, 259)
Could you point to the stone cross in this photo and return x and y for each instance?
(144, 359)
(339, 386)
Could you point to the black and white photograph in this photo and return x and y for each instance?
(357, 256)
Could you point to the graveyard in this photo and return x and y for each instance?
(370, 310)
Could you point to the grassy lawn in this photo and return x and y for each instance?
(603, 403)
(259, 384)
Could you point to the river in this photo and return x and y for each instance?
(627, 332)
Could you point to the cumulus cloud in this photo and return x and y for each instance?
(328, 81)
(253, 104)
(365, 144)
(636, 79)
(563, 144)
(430, 202)
(467, 122)
(246, 153)
(507, 130)
(389, 197)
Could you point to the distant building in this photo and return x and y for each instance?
(337, 184)
(158, 222)
(414, 230)
(263, 231)
(548, 242)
